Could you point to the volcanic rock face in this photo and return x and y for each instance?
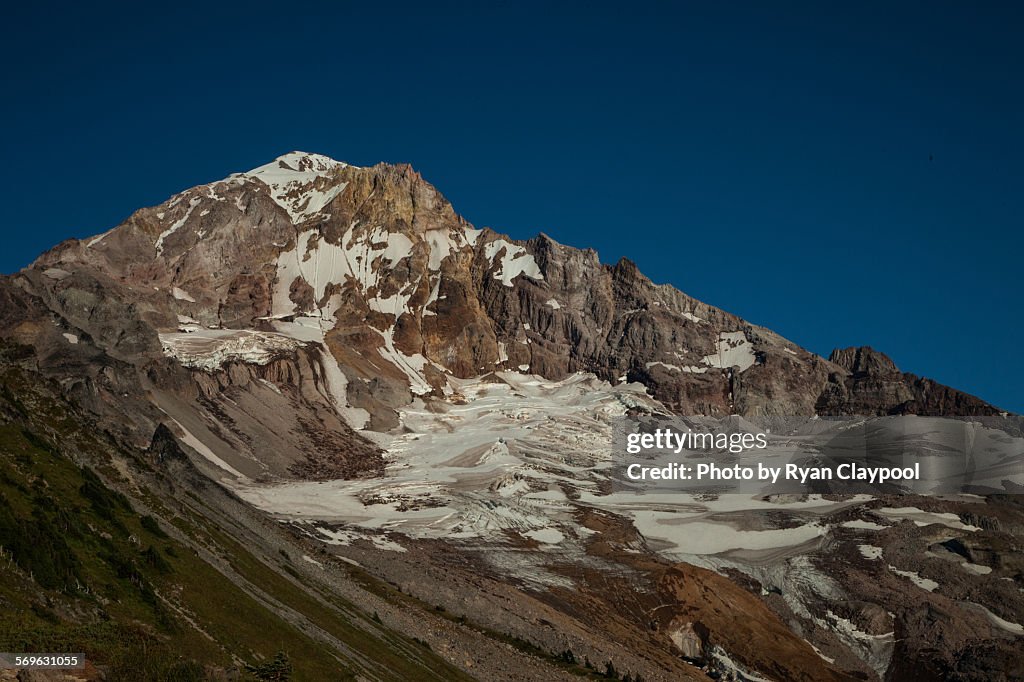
(375, 266)
(872, 385)
(344, 352)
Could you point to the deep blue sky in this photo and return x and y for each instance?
(842, 175)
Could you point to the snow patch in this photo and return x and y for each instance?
(410, 365)
(875, 650)
(688, 369)
(515, 261)
(733, 349)
(346, 537)
(300, 183)
(547, 536)
(97, 239)
(1013, 628)
(200, 447)
(176, 225)
(444, 243)
(692, 318)
(309, 330)
(858, 524)
(924, 583)
(732, 668)
(209, 349)
(923, 518)
(870, 551)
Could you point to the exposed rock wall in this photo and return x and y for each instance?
(373, 266)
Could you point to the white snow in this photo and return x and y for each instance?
(433, 296)
(310, 330)
(547, 536)
(708, 538)
(1013, 628)
(364, 258)
(875, 650)
(515, 261)
(98, 238)
(870, 551)
(924, 583)
(300, 183)
(444, 243)
(858, 524)
(208, 349)
(821, 655)
(552, 303)
(398, 247)
(471, 234)
(72, 338)
(649, 365)
(360, 257)
(490, 462)
(410, 365)
(496, 460)
(345, 537)
(689, 369)
(733, 669)
(176, 225)
(732, 350)
(923, 518)
(200, 447)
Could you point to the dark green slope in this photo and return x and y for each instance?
(102, 551)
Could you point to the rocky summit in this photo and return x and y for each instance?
(338, 398)
(375, 268)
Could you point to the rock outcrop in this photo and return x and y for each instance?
(872, 385)
(384, 293)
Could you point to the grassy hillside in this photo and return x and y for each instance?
(146, 593)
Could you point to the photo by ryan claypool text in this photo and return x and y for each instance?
(707, 471)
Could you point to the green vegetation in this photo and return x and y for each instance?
(82, 570)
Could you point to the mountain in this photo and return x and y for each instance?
(348, 388)
(375, 264)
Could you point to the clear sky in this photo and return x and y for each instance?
(844, 175)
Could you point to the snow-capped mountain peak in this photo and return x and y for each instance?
(300, 182)
(298, 162)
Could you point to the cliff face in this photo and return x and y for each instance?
(872, 385)
(374, 265)
(263, 331)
